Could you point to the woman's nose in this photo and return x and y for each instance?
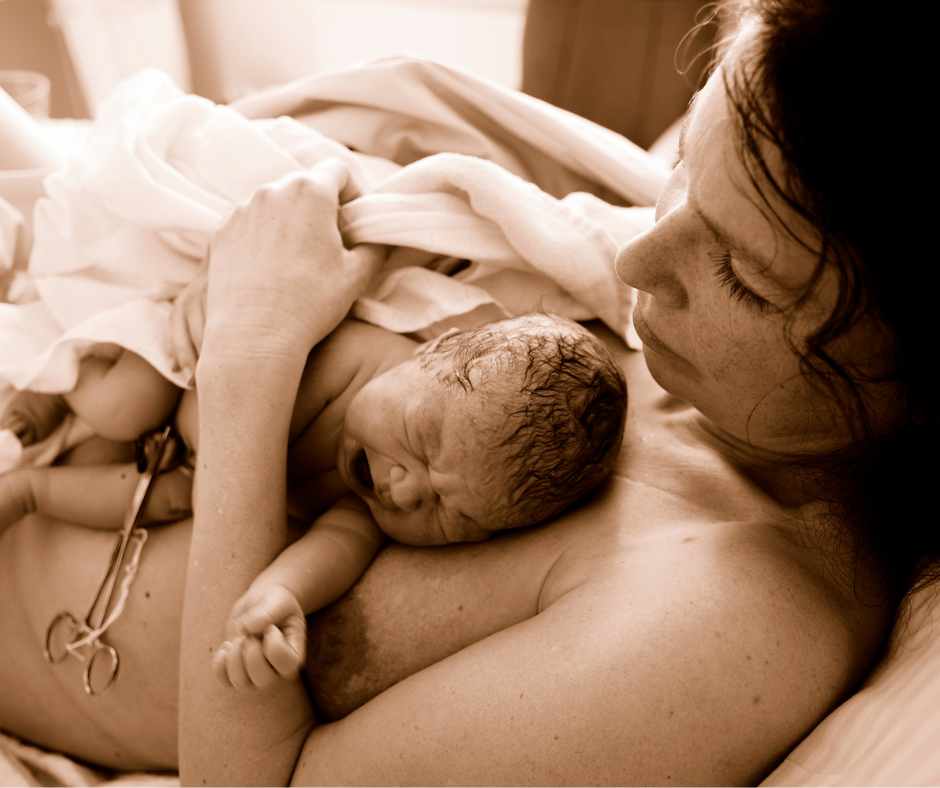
(652, 261)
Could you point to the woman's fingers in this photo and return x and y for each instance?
(365, 261)
(280, 278)
(332, 177)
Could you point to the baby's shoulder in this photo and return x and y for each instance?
(355, 344)
(340, 365)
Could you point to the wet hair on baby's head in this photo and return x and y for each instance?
(564, 399)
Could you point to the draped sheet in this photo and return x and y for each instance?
(471, 184)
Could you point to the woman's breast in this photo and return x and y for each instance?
(48, 567)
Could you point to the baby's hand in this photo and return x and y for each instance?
(266, 639)
(32, 416)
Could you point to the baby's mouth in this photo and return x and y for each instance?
(360, 470)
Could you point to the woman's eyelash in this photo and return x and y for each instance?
(726, 277)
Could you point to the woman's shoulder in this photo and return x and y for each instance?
(734, 626)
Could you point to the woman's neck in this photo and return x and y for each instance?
(793, 479)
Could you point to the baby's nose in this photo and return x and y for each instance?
(405, 488)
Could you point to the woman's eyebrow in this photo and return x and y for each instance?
(723, 238)
(759, 260)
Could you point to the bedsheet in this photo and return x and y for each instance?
(126, 223)
(487, 197)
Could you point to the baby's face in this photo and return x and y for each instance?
(421, 455)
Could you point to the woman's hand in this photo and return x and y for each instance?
(280, 279)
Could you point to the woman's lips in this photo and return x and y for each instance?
(652, 341)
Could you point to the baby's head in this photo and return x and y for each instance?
(498, 427)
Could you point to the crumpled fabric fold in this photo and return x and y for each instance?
(456, 170)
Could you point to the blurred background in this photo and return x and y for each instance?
(614, 61)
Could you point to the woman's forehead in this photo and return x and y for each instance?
(752, 220)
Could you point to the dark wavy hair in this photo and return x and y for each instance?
(563, 424)
(820, 85)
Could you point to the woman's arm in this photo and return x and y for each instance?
(267, 267)
(240, 526)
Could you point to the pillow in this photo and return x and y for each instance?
(888, 733)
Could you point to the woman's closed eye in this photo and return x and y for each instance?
(728, 279)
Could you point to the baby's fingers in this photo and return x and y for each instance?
(219, 664)
(274, 606)
(285, 652)
(260, 672)
(235, 666)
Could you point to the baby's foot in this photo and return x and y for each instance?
(32, 417)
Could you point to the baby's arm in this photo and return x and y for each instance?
(266, 635)
(94, 496)
(122, 400)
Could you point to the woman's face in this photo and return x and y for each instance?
(719, 275)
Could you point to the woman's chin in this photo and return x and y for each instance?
(667, 376)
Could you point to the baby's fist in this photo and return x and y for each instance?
(267, 639)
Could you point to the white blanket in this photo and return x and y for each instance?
(127, 221)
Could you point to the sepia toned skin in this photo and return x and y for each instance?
(688, 625)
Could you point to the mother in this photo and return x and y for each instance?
(733, 584)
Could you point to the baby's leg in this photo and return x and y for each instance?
(95, 496)
(123, 399)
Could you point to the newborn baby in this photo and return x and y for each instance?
(451, 441)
